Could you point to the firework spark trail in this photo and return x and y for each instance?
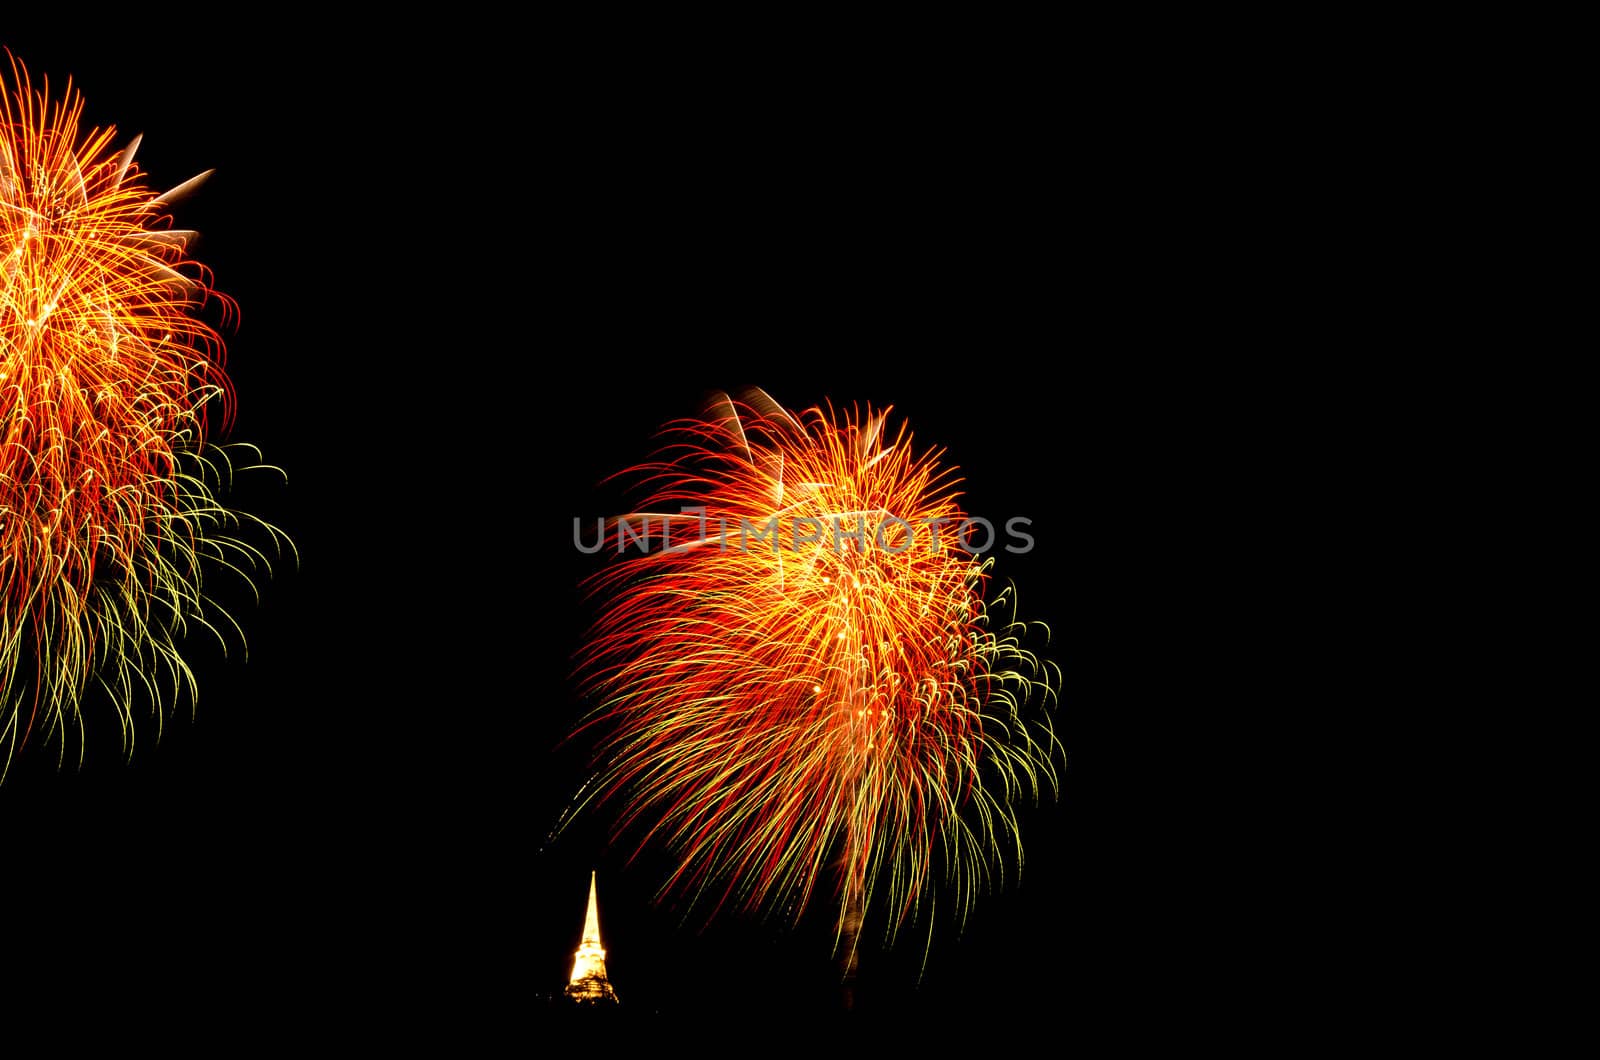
(793, 686)
(108, 489)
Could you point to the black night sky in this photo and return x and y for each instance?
(473, 280)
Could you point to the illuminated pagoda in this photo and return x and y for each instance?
(589, 983)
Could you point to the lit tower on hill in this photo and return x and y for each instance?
(589, 983)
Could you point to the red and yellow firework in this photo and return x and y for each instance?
(108, 506)
(800, 681)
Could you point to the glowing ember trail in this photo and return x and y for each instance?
(108, 507)
(799, 682)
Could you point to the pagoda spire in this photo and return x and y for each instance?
(591, 921)
(589, 982)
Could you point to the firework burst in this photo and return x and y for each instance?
(801, 681)
(108, 489)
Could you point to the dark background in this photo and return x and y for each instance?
(474, 278)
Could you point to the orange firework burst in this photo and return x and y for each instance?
(108, 506)
(799, 677)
